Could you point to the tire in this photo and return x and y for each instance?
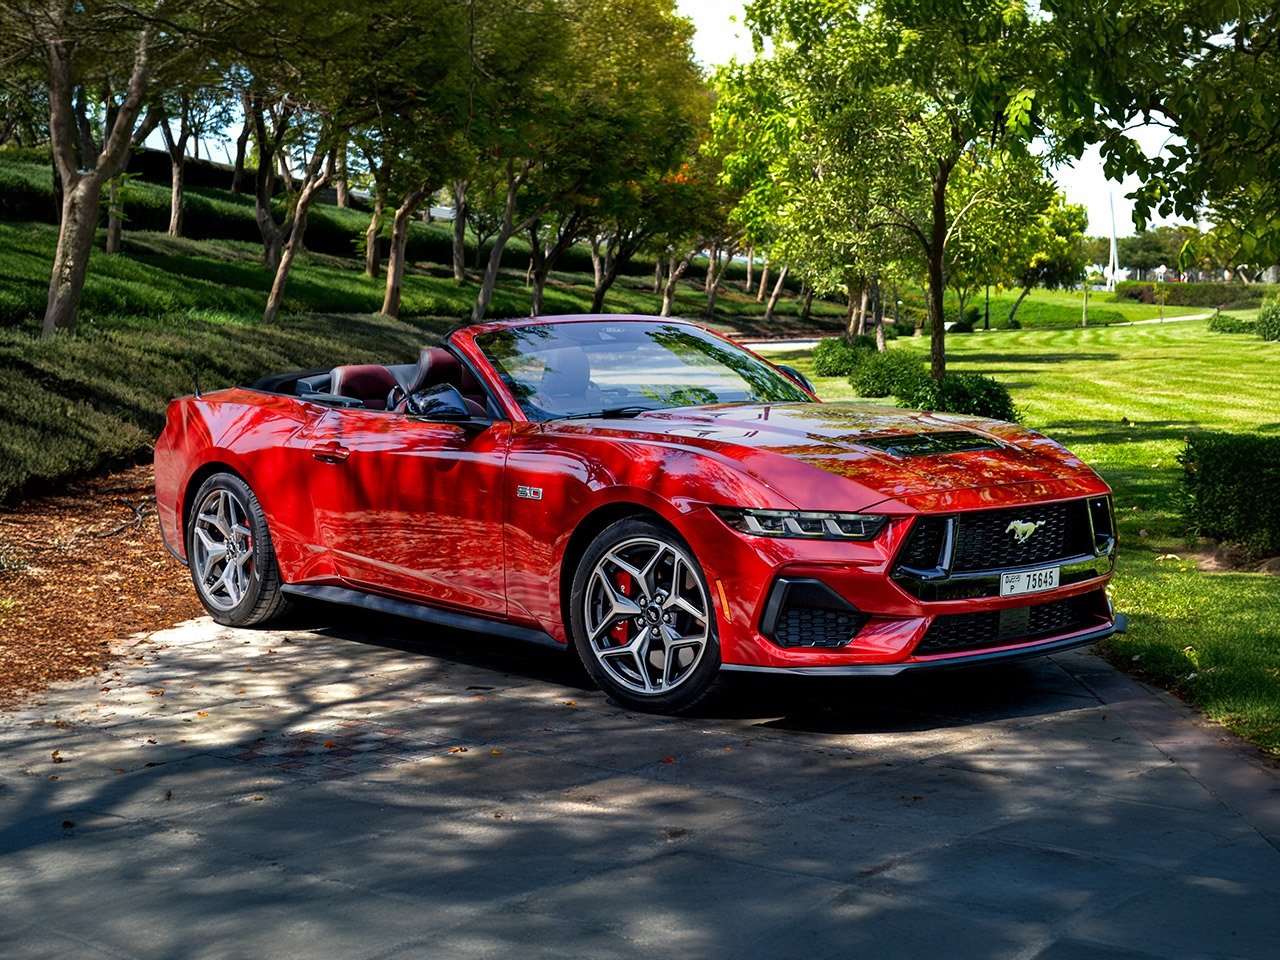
(639, 583)
(227, 527)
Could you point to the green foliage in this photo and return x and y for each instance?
(837, 357)
(1268, 325)
(971, 393)
(1226, 323)
(1232, 489)
(881, 374)
(1228, 295)
(74, 403)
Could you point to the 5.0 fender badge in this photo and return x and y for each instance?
(529, 493)
(1023, 529)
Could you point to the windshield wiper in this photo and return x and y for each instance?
(610, 413)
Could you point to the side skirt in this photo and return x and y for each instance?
(418, 611)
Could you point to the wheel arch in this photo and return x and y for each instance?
(590, 527)
(195, 481)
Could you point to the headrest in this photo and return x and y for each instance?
(435, 365)
(369, 382)
(567, 373)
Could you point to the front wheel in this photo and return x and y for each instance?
(233, 564)
(642, 619)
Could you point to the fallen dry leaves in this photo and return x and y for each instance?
(78, 571)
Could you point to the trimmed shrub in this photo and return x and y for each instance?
(837, 357)
(1225, 323)
(1225, 294)
(1268, 325)
(970, 393)
(1232, 489)
(967, 323)
(879, 374)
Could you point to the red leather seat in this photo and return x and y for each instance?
(367, 382)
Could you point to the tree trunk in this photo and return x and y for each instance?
(71, 260)
(777, 293)
(340, 174)
(807, 309)
(715, 274)
(675, 270)
(851, 314)
(373, 232)
(459, 231)
(115, 221)
(81, 184)
(764, 281)
(597, 261)
(242, 145)
(399, 243)
(177, 180)
(1017, 303)
(536, 277)
(937, 274)
(312, 183)
(657, 275)
(877, 310)
(751, 266)
(862, 312)
(713, 255)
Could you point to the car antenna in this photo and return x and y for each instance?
(191, 357)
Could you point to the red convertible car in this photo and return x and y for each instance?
(646, 491)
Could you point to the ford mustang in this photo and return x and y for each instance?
(645, 492)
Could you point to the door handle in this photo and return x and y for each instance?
(331, 453)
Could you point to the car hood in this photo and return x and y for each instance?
(880, 452)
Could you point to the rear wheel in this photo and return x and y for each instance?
(229, 551)
(642, 619)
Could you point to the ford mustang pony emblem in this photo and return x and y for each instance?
(1023, 529)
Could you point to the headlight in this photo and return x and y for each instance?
(803, 524)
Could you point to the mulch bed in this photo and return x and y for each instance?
(79, 571)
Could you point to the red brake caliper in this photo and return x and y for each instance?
(626, 586)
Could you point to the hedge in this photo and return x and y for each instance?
(970, 393)
(1232, 489)
(1226, 323)
(837, 357)
(1225, 294)
(880, 374)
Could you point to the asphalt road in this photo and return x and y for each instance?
(369, 789)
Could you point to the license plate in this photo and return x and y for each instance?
(1028, 581)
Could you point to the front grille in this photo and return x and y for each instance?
(956, 632)
(985, 540)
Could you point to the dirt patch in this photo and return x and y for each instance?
(1225, 558)
(79, 571)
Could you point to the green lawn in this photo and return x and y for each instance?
(1124, 398)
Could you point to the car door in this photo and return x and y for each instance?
(413, 507)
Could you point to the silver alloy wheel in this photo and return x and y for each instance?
(647, 615)
(222, 549)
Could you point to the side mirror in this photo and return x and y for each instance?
(442, 403)
(795, 375)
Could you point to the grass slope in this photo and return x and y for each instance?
(1124, 398)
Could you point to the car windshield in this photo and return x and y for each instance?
(591, 369)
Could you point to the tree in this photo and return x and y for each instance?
(919, 83)
(1051, 253)
(1209, 73)
(184, 113)
(120, 53)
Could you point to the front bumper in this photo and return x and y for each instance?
(987, 657)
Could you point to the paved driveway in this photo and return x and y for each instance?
(363, 791)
